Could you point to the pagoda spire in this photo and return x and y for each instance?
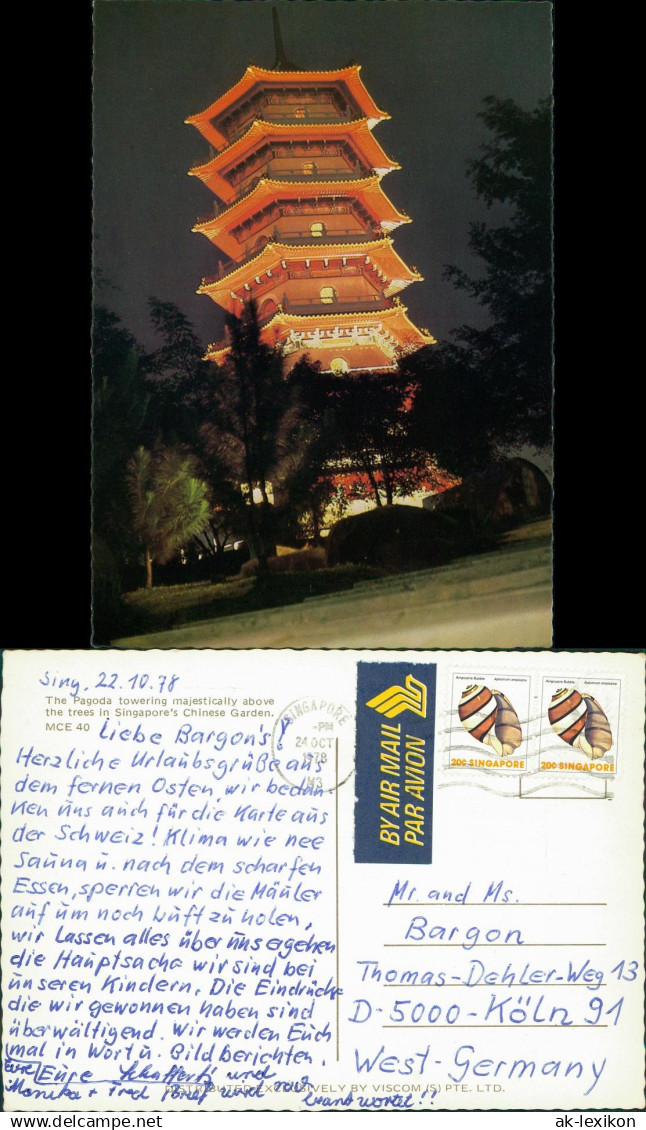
(281, 62)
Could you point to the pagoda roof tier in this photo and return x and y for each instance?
(380, 253)
(260, 76)
(366, 190)
(393, 323)
(356, 131)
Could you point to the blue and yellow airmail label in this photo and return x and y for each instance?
(395, 732)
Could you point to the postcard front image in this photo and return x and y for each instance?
(322, 398)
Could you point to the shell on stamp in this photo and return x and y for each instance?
(506, 725)
(597, 728)
(477, 711)
(566, 713)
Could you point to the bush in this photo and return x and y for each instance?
(301, 561)
(157, 609)
(107, 607)
(403, 538)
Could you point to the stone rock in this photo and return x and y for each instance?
(506, 494)
(396, 538)
(299, 561)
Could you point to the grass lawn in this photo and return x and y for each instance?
(153, 610)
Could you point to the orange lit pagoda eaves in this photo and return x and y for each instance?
(303, 221)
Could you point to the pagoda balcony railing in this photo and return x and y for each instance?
(332, 235)
(320, 116)
(319, 272)
(361, 303)
(324, 172)
(294, 151)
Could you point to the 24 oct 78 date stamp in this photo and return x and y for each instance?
(308, 747)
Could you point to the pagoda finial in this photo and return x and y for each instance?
(281, 62)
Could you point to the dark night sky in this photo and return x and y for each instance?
(427, 63)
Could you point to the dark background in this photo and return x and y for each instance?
(46, 441)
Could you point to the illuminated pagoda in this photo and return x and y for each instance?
(302, 219)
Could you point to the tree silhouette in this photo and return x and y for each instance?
(177, 360)
(121, 400)
(514, 354)
(169, 504)
(256, 431)
(491, 389)
(374, 436)
(451, 414)
(121, 414)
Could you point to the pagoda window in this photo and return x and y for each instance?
(339, 365)
(317, 230)
(267, 309)
(328, 294)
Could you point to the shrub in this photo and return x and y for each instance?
(301, 561)
(402, 538)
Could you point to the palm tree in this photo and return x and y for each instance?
(169, 503)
